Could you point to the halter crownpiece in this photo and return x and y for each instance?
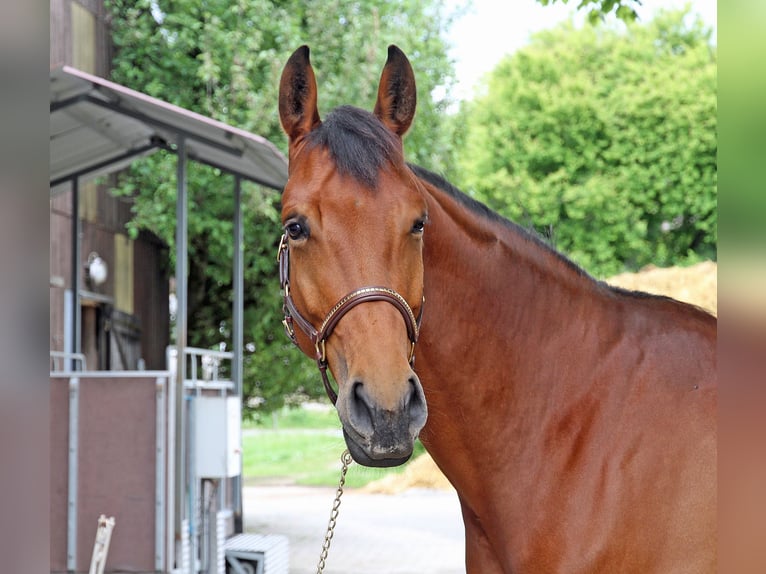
(319, 337)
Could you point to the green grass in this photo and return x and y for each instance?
(298, 418)
(303, 449)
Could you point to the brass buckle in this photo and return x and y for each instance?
(287, 322)
(321, 352)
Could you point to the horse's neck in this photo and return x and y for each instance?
(498, 306)
(528, 365)
(487, 278)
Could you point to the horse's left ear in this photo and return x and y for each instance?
(397, 96)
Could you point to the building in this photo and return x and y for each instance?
(124, 321)
(132, 418)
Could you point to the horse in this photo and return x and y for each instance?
(576, 421)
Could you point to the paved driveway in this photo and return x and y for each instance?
(416, 532)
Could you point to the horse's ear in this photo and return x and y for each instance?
(298, 96)
(397, 96)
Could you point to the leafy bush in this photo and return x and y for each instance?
(604, 141)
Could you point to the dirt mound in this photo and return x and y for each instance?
(420, 473)
(696, 284)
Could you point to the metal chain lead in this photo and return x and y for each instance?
(346, 459)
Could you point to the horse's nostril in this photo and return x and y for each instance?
(357, 391)
(369, 421)
(360, 410)
(412, 392)
(416, 406)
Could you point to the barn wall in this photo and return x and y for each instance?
(137, 282)
(151, 290)
(60, 257)
(80, 36)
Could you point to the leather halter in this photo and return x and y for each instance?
(319, 336)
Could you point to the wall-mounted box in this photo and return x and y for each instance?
(217, 436)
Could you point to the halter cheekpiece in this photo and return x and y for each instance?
(318, 337)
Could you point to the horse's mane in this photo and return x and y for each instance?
(482, 210)
(529, 235)
(360, 145)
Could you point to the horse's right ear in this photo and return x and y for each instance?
(298, 111)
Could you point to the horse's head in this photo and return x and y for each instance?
(353, 217)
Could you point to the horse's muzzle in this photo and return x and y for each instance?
(382, 437)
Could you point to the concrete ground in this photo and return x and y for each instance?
(416, 532)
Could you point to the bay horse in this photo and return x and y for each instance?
(576, 421)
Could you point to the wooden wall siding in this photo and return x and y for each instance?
(60, 33)
(89, 346)
(84, 36)
(137, 278)
(151, 291)
(103, 216)
(56, 327)
(80, 36)
(104, 45)
(124, 341)
(60, 261)
(97, 204)
(60, 246)
(113, 212)
(123, 273)
(62, 202)
(89, 201)
(137, 281)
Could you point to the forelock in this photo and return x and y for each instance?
(358, 142)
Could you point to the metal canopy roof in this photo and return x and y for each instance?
(98, 127)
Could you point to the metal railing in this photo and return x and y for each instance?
(60, 360)
(204, 368)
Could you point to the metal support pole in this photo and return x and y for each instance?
(238, 304)
(181, 326)
(237, 333)
(76, 270)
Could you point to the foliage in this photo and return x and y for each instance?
(223, 59)
(603, 141)
(625, 10)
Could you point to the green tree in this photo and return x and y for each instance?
(604, 141)
(223, 58)
(597, 9)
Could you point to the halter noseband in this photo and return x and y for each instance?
(319, 337)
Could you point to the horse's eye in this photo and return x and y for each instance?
(295, 230)
(419, 225)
